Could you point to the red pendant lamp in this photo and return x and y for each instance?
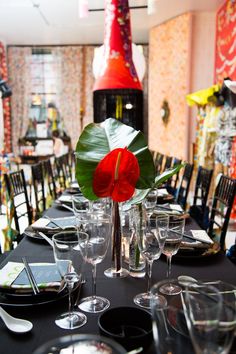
(117, 70)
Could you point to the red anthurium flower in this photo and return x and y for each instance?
(116, 175)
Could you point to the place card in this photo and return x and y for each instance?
(201, 235)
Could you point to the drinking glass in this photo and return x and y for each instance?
(171, 247)
(98, 228)
(203, 306)
(69, 261)
(170, 331)
(150, 203)
(151, 240)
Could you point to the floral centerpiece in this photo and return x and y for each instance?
(113, 160)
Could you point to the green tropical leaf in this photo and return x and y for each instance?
(159, 180)
(97, 140)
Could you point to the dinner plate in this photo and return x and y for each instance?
(33, 234)
(30, 299)
(13, 299)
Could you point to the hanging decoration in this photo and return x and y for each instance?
(117, 70)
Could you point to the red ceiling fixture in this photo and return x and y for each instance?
(117, 70)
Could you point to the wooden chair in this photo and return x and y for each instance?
(159, 163)
(50, 179)
(199, 210)
(63, 170)
(183, 188)
(221, 208)
(168, 162)
(171, 184)
(39, 188)
(17, 192)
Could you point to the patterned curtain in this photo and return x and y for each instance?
(20, 83)
(75, 80)
(5, 102)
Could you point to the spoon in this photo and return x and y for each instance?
(14, 324)
(46, 238)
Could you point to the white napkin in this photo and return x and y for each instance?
(162, 192)
(202, 235)
(10, 272)
(65, 199)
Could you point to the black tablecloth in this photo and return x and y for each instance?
(120, 292)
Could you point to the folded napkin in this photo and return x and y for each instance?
(170, 209)
(13, 276)
(55, 224)
(162, 192)
(199, 235)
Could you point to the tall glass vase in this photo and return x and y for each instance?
(116, 270)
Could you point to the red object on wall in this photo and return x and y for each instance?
(117, 70)
(6, 102)
(225, 54)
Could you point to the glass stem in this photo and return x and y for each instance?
(149, 274)
(168, 266)
(94, 286)
(70, 287)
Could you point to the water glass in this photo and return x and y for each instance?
(171, 247)
(69, 261)
(170, 331)
(203, 306)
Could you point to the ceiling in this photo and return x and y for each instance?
(44, 22)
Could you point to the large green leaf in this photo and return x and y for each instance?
(159, 180)
(97, 140)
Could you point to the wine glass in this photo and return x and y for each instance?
(202, 304)
(171, 247)
(69, 262)
(98, 228)
(170, 331)
(151, 240)
(150, 203)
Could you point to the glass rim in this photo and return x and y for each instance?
(74, 232)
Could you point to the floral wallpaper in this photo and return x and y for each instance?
(169, 61)
(6, 101)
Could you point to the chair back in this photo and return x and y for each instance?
(50, 178)
(64, 172)
(17, 191)
(221, 208)
(183, 188)
(168, 162)
(39, 188)
(159, 162)
(199, 210)
(171, 183)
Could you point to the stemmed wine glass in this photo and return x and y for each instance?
(171, 247)
(98, 228)
(151, 240)
(150, 203)
(202, 304)
(218, 306)
(69, 262)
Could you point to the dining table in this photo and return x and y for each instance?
(119, 291)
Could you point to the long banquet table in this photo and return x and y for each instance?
(120, 292)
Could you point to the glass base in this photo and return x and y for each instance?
(94, 304)
(170, 289)
(71, 320)
(113, 273)
(144, 300)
